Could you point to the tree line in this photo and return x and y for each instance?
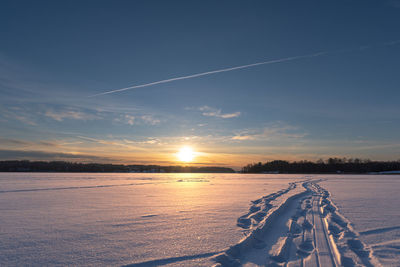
(62, 166)
(331, 165)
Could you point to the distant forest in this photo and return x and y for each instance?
(332, 165)
(62, 166)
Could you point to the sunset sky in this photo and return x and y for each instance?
(330, 85)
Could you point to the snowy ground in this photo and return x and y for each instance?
(198, 219)
(372, 205)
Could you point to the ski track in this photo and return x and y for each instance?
(303, 230)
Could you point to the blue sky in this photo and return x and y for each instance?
(54, 55)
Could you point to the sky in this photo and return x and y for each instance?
(327, 85)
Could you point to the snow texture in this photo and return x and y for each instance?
(59, 219)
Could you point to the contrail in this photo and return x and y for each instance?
(211, 72)
(392, 43)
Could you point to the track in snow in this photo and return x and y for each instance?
(304, 230)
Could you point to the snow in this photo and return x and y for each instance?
(305, 230)
(372, 204)
(147, 219)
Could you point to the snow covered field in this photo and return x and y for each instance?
(198, 219)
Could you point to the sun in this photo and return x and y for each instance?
(186, 154)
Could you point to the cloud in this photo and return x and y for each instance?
(147, 141)
(148, 119)
(16, 113)
(25, 120)
(32, 144)
(32, 113)
(243, 137)
(137, 119)
(69, 114)
(114, 143)
(213, 112)
(230, 115)
(10, 141)
(276, 131)
(130, 119)
(43, 155)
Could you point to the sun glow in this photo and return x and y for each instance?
(186, 154)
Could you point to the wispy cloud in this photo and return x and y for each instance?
(19, 114)
(241, 137)
(44, 155)
(137, 119)
(278, 130)
(33, 113)
(69, 114)
(213, 112)
(126, 118)
(31, 144)
(130, 119)
(10, 141)
(149, 119)
(112, 143)
(25, 119)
